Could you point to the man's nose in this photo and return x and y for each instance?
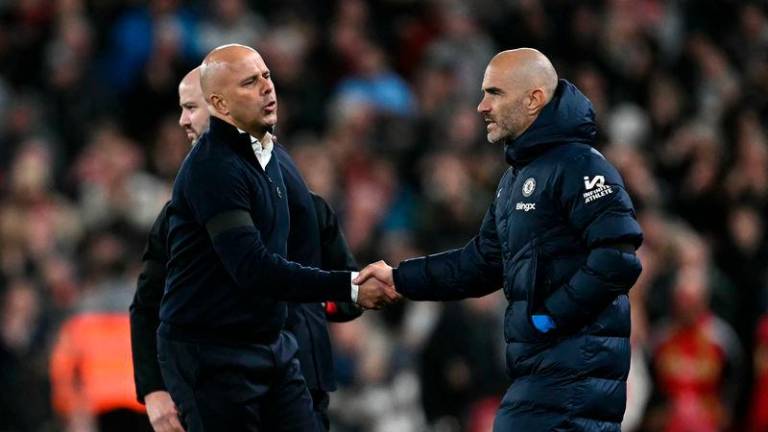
(269, 87)
(483, 107)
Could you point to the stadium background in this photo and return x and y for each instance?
(377, 105)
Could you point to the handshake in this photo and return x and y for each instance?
(376, 286)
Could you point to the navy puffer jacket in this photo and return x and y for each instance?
(549, 238)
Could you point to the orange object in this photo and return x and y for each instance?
(91, 365)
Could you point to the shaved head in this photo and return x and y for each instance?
(238, 88)
(517, 85)
(192, 77)
(217, 65)
(528, 68)
(194, 111)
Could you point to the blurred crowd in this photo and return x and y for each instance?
(377, 106)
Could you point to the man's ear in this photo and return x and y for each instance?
(218, 103)
(536, 101)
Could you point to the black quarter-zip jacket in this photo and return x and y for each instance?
(229, 222)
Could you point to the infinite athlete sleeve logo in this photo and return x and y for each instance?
(596, 188)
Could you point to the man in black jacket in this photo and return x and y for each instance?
(223, 354)
(560, 239)
(145, 308)
(315, 239)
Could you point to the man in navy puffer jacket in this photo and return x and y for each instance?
(560, 237)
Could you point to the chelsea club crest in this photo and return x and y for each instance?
(529, 186)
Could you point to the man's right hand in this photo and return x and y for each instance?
(162, 412)
(376, 286)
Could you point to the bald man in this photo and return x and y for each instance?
(560, 239)
(194, 110)
(316, 241)
(144, 311)
(223, 353)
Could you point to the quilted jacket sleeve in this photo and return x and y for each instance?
(472, 271)
(597, 206)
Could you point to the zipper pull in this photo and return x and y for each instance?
(277, 188)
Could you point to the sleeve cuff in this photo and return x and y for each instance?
(355, 288)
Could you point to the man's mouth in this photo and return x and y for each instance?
(270, 107)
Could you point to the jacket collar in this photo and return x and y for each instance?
(567, 118)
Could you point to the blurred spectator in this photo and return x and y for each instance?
(693, 156)
(462, 364)
(372, 396)
(287, 48)
(319, 170)
(461, 44)
(27, 23)
(23, 359)
(718, 85)
(231, 21)
(451, 205)
(155, 32)
(91, 369)
(69, 76)
(697, 359)
(169, 148)
(638, 176)
(371, 188)
(749, 177)
(375, 84)
(743, 255)
(666, 105)
(35, 221)
(112, 186)
(759, 409)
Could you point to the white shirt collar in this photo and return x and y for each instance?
(263, 151)
(257, 145)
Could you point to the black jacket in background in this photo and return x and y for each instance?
(308, 321)
(145, 310)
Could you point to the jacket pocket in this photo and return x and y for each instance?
(519, 272)
(518, 327)
(528, 277)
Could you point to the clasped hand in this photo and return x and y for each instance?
(377, 286)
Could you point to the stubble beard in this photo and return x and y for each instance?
(513, 125)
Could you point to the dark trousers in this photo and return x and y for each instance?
(320, 402)
(237, 387)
